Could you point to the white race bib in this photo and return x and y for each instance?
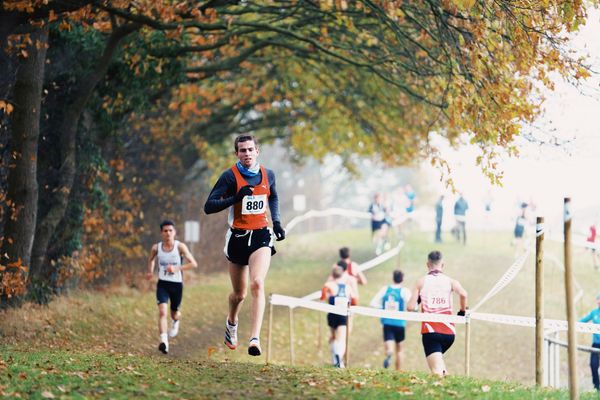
(438, 300)
(254, 204)
(392, 305)
(340, 301)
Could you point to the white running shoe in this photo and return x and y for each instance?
(231, 340)
(175, 329)
(254, 347)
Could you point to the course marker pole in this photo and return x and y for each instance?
(292, 358)
(347, 353)
(270, 330)
(539, 302)
(572, 339)
(468, 346)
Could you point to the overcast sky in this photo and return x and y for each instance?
(549, 173)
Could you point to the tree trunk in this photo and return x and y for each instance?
(68, 140)
(22, 189)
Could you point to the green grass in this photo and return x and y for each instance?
(63, 374)
(103, 344)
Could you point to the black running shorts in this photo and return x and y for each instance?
(436, 342)
(240, 244)
(166, 291)
(334, 320)
(392, 332)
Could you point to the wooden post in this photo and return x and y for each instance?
(468, 347)
(539, 302)
(347, 353)
(270, 330)
(572, 340)
(320, 337)
(292, 358)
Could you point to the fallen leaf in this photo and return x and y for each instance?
(485, 388)
(47, 394)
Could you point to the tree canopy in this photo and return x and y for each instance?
(136, 96)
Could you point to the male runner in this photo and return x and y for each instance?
(435, 291)
(393, 297)
(246, 189)
(169, 253)
(337, 292)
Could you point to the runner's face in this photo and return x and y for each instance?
(168, 233)
(247, 153)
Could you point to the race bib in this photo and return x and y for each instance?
(254, 204)
(438, 300)
(392, 305)
(340, 301)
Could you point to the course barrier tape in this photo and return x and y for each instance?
(365, 266)
(343, 212)
(508, 276)
(515, 320)
(324, 213)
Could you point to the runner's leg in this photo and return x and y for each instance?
(259, 264)
(239, 284)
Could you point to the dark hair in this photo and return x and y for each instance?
(167, 222)
(398, 276)
(344, 252)
(342, 264)
(244, 138)
(434, 257)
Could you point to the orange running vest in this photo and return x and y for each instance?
(251, 212)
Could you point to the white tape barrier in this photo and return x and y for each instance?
(365, 266)
(342, 212)
(508, 276)
(280, 300)
(579, 294)
(325, 213)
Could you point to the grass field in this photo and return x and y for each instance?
(103, 344)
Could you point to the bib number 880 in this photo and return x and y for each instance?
(254, 204)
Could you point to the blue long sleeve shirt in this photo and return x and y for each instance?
(593, 316)
(223, 193)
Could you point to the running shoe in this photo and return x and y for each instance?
(386, 362)
(254, 347)
(163, 347)
(231, 335)
(175, 329)
(339, 363)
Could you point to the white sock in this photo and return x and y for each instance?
(164, 338)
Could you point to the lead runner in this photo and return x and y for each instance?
(246, 189)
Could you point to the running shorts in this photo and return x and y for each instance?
(436, 342)
(395, 333)
(240, 243)
(334, 320)
(172, 291)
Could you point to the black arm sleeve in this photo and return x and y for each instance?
(222, 194)
(273, 198)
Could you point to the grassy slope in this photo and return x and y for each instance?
(112, 335)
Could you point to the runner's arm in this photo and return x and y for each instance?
(151, 258)
(587, 318)
(273, 197)
(412, 303)
(191, 261)
(462, 293)
(376, 301)
(222, 194)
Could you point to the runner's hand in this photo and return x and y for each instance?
(244, 191)
(279, 231)
(149, 275)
